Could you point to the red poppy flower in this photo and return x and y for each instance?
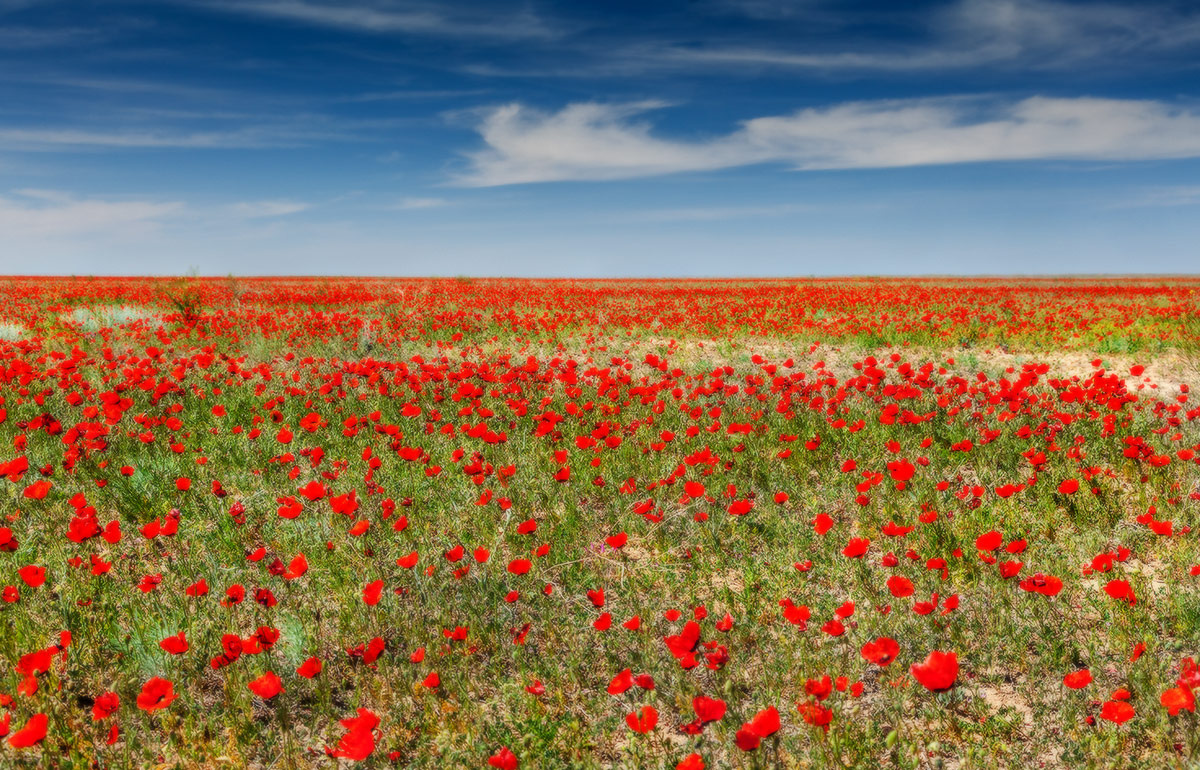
(372, 593)
(313, 490)
(156, 694)
(938, 672)
(31, 734)
(746, 739)
(621, 682)
(37, 490)
(856, 547)
(815, 714)
(33, 576)
(503, 759)
(176, 645)
(1047, 585)
(297, 567)
(359, 740)
(266, 686)
(310, 668)
(765, 723)
(989, 541)
(882, 651)
(1178, 699)
(642, 721)
(900, 586)
(105, 706)
(708, 709)
(1077, 680)
(1118, 712)
(617, 541)
(1121, 590)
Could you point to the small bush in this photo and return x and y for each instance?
(185, 297)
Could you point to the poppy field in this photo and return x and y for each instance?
(473, 523)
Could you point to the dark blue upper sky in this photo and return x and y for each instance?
(712, 137)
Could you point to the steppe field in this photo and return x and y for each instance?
(470, 523)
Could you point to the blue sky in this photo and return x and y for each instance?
(709, 137)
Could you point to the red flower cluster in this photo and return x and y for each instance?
(469, 508)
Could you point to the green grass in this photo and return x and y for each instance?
(1009, 707)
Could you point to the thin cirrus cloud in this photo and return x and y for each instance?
(19, 38)
(409, 204)
(1170, 196)
(55, 139)
(1013, 35)
(266, 209)
(592, 141)
(716, 213)
(38, 215)
(974, 33)
(394, 17)
(53, 215)
(316, 128)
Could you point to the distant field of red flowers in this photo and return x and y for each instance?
(473, 523)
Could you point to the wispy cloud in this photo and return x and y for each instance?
(1050, 32)
(1181, 195)
(583, 141)
(54, 231)
(265, 209)
(59, 138)
(762, 9)
(7, 6)
(717, 213)
(966, 34)
(414, 95)
(53, 138)
(53, 215)
(604, 141)
(41, 194)
(22, 38)
(407, 204)
(397, 17)
(122, 85)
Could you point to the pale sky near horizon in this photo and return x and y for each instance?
(538, 138)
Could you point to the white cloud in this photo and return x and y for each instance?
(593, 141)
(762, 9)
(756, 56)
(421, 203)
(247, 131)
(17, 38)
(51, 196)
(971, 33)
(717, 213)
(37, 215)
(340, 15)
(394, 17)
(58, 138)
(413, 95)
(7, 6)
(53, 221)
(584, 141)
(1182, 195)
(262, 209)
